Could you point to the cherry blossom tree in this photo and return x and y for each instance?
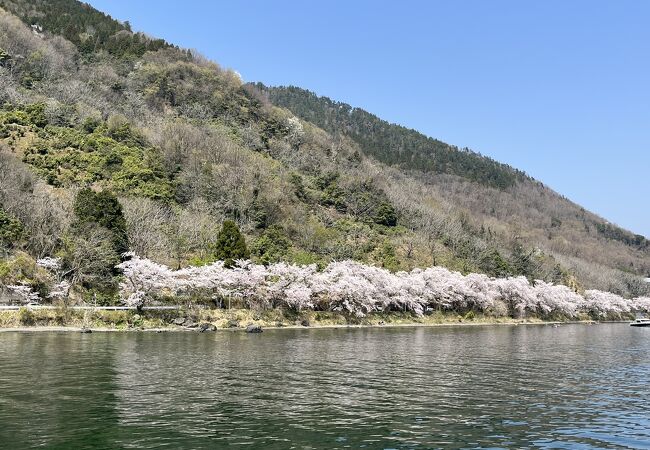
(602, 304)
(357, 289)
(61, 288)
(556, 299)
(641, 304)
(25, 293)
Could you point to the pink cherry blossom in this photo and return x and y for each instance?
(358, 289)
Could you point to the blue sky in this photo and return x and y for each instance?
(560, 89)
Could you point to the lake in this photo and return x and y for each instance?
(574, 386)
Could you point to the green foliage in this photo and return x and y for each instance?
(298, 186)
(334, 196)
(257, 212)
(11, 230)
(119, 129)
(494, 264)
(89, 29)
(111, 153)
(16, 120)
(523, 262)
(387, 257)
(90, 253)
(621, 235)
(230, 244)
(203, 91)
(102, 297)
(305, 258)
(326, 179)
(21, 268)
(104, 209)
(560, 275)
(361, 199)
(272, 246)
(26, 115)
(385, 215)
(26, 316)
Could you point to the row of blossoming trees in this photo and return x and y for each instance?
(359, 289)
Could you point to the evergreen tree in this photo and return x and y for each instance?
(230, 244)
(494, 264)
(386, 215)
(73, 20)
(97, 240)
(104, 209)
(272, 246)
(523, 262)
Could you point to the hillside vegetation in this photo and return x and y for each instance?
(393, 144)
(495, 197)
(111, 141)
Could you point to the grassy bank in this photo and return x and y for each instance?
(235, 319)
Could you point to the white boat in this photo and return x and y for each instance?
(640, 323)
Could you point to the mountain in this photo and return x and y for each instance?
(113, 140)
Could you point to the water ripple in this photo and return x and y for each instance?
(466, 387)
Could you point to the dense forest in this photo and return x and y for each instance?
(88, 29)
(114, 142)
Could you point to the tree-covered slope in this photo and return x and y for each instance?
(392, 144)
(88, 29)
(177, 146)
(440, 165)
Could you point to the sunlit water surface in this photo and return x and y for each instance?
(575, 386)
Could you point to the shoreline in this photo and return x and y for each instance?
(181, 329)
(211, 320)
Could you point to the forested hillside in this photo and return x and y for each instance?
(498, 196)
(393, 144)
(111, 141)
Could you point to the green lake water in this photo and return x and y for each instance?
(574, 386)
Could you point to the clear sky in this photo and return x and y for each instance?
(560, 89)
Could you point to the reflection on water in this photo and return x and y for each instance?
(575, 386)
